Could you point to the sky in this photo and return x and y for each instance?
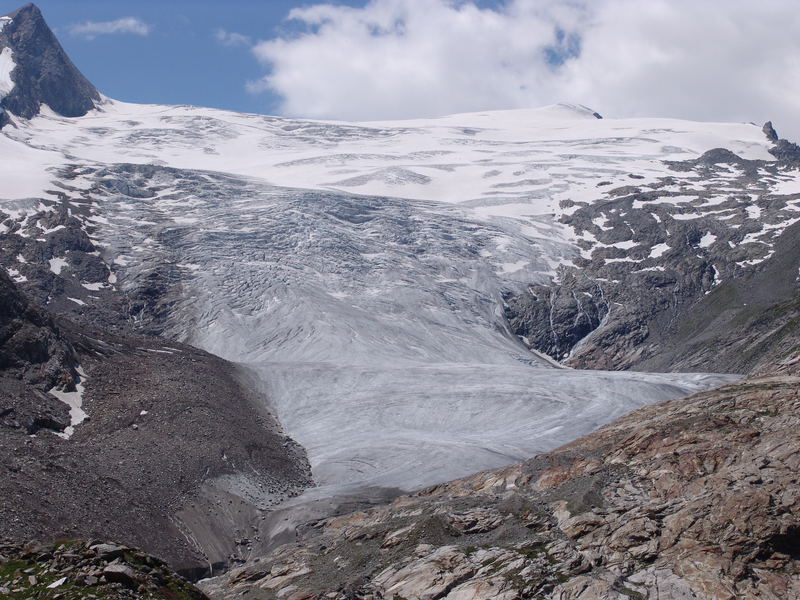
(712, 60)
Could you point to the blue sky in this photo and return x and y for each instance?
(389, 59)
(180, 60)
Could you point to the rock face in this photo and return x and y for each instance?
(688, 499)
(35, 357)
(685, 274)
(43, 73)
(77, 569)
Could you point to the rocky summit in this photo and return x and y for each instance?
(43, 74)
(273, 353)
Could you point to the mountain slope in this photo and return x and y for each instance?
(164, 447)
(104, 432)
(678, 274)
(589, 209)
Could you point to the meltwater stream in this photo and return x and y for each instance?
(375, 324)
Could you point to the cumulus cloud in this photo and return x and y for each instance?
(91, 29)
(696, 59)
(232, 38)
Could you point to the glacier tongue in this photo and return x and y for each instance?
(411, 426)
(375, 323)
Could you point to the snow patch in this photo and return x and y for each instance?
(753, 211)
(601, 223)
(7, 65)
(685, 217)
(57, 264)
(618, 260)
(51, 230)
(658, 250)
(15, 275)
(787, 187)
(75, 402)
(626, 245)
(707, 240)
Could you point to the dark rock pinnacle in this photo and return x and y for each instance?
(43, 74)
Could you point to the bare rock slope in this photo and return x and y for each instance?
(43, 73)
(128, 437)
(683, 499)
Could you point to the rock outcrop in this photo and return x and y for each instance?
(35, 357)
(687, 499)
(78, 569)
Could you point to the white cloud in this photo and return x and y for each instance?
(231, 38)
(698, 59)
(91, 29)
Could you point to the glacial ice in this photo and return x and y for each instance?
(374, 323)
(359, 269)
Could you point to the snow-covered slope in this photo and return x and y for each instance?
(523, 164)
(505, 163)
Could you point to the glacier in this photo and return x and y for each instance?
(358, 270)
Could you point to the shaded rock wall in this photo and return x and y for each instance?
(44, 74)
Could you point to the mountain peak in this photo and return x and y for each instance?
(29, 8)
(35, 70)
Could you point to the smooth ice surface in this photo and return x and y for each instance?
(417, 425)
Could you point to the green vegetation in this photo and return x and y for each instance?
(15, 576)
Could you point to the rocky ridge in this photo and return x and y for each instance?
(673, 272)
(78, 569)
(689, 499)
